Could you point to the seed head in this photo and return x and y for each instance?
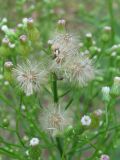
(55, 119)
(30, 76)
(64, 45)
(79, 69)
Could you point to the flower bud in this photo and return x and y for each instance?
(106, 93)
(4, 28)
(5, 41)
(98, 112)
(8, 64)
(4, 20)
(104, 157)
(61, 24)
(107, 29)
(89, 40)
(50, 42)
(30, 21)
(23, 38)
(5, 122)
(115, 90)
(11, 45)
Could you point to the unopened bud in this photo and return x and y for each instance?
(104, 157)
(115, 91)
(8, 64)
(23, 38)
(5, 41)
(11, 45)
(50, 42)
(61, 22)
(106, 93)
(107, 29)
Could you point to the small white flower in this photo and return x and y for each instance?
(104, 157)
(34, 142)
(86, 120)
(30, 76)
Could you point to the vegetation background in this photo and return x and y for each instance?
(82, 16)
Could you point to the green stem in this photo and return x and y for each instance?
(54, 87)
(112, 20)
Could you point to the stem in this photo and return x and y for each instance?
(111, 14)
(59, 146)
(56, 99)
(54, 87)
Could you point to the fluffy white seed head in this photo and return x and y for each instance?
(30, 76)
(54, 119)
(86, 120)
(79, 69)
(104, 157)
(64, 45)
(34, 142)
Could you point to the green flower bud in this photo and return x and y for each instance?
(115, 90)
(106, 93)
(5, 122)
